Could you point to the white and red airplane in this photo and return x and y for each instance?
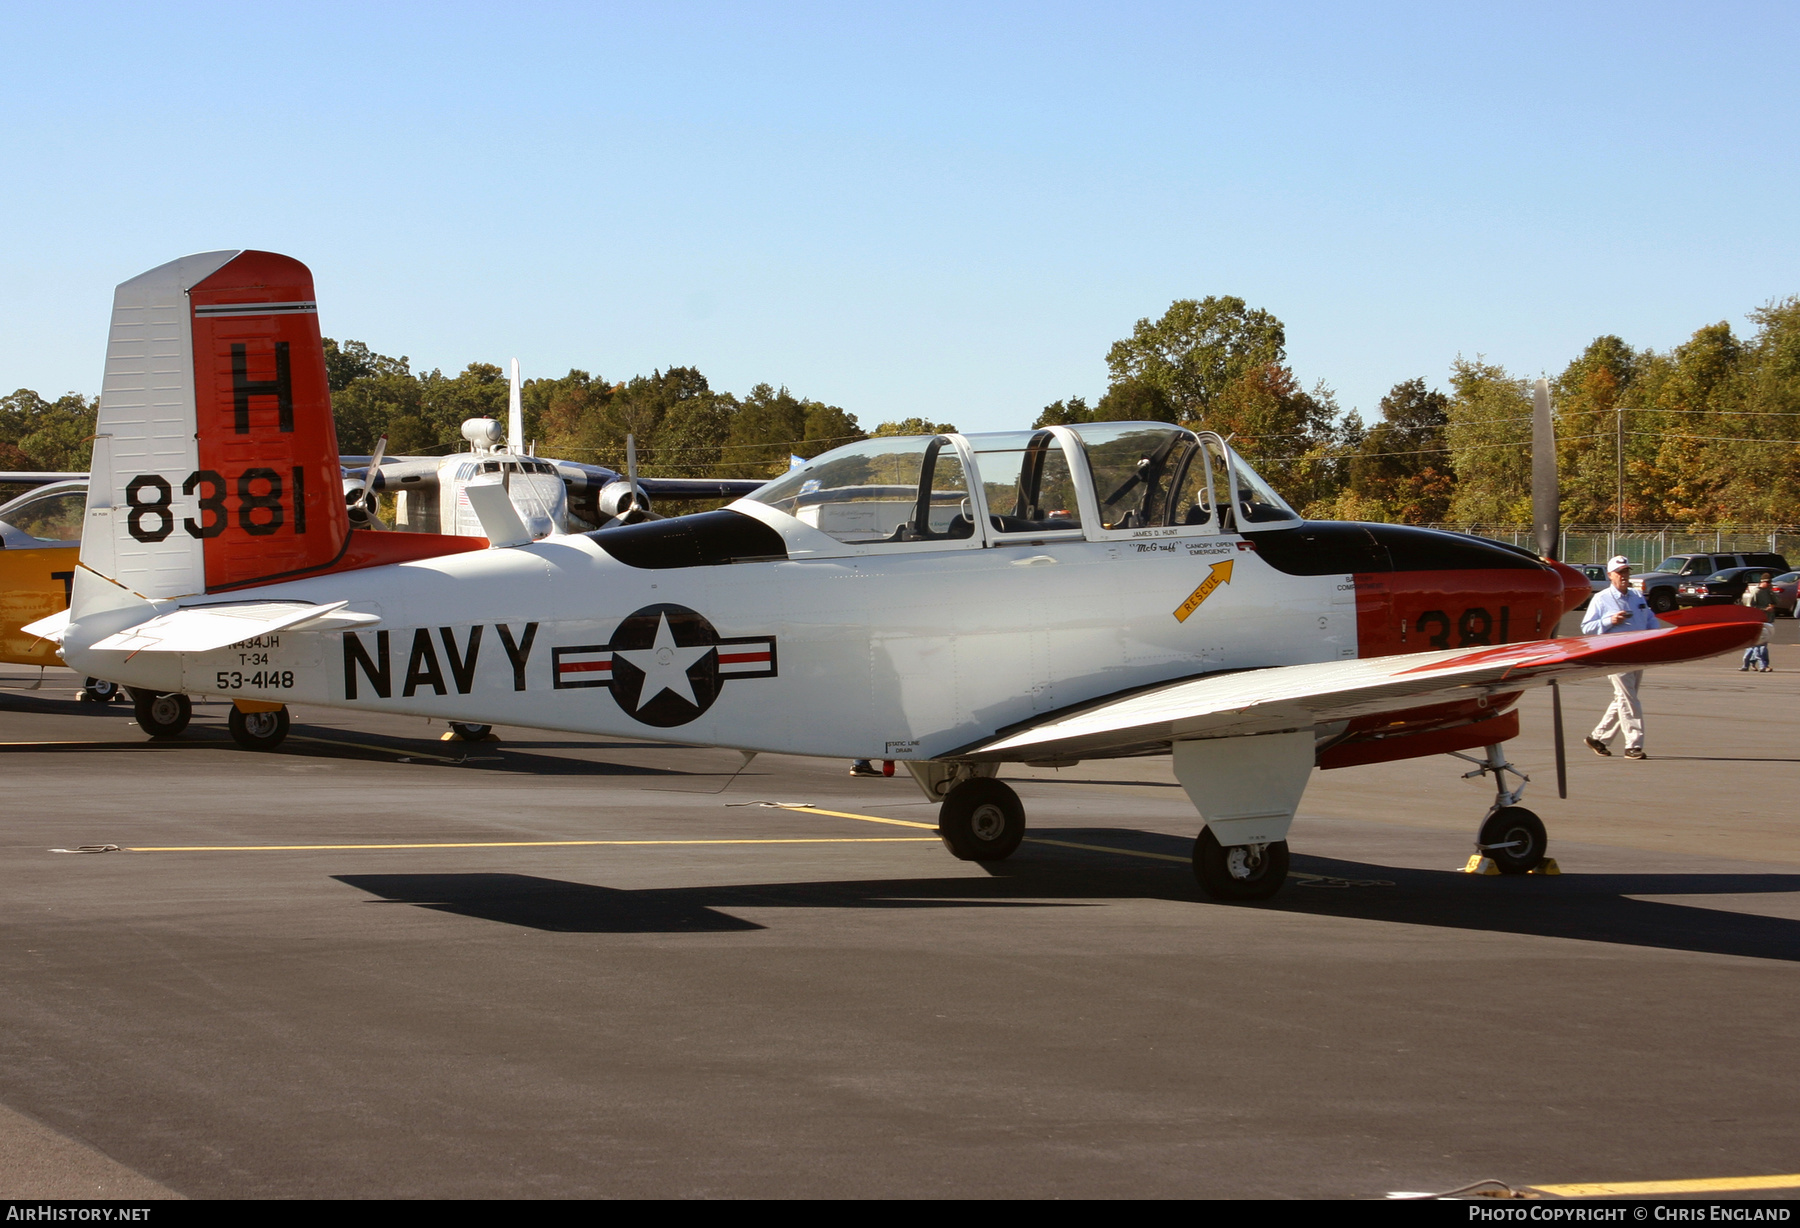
(951, 602)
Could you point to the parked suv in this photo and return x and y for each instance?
(1658, 587)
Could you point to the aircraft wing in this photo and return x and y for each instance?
(18, 477)
(700, 488)
(409, 471)
(206, 627)
(584, 478)
(1301, 696)
(421, 471)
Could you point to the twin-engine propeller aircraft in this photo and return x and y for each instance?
(551, 496)
(952, 602)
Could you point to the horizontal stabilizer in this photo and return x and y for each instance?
(204, 628)
(1301, 696)
(51, 628)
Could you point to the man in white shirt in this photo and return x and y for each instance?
(1612, 610)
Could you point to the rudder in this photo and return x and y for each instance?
(216, 459)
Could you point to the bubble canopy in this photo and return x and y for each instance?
(1128, 476)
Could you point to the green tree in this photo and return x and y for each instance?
(915, 426)
(1399, 469)
(771, 425)
(46, 435)
(1588, 396)
(1186, 361)
(828, 427)
(1772, 389)
(391, 404)
(353, 360)
(1064, 413)
(481, 390)
(1289, 434)
(567, 415)
(1689, 471)
(1488, 432)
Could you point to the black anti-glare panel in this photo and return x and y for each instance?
(705, 539)
(1325, 547)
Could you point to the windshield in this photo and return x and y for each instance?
(1025, 477)
(52, 517)
(890, 488)
(1152, 474)
(1132, 464)
(1258, 504)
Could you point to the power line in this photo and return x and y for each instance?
(1710, 438)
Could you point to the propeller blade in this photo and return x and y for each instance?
(371, 503)
(375, 462)
(631, 471)
(1556, 731)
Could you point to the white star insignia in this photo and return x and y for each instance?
(665, 665)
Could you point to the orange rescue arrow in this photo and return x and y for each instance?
(1221, 574)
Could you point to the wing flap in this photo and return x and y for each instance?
(1300, 696)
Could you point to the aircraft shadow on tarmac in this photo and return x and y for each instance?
(335, 743)
(48, 700)
(1584, 907)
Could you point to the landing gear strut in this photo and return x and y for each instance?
(1511, 836)
(161, 716)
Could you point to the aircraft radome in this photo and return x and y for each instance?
(951, 602)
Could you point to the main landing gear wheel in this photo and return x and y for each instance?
(1240, 872)
(982, 820)
(470, 733)
(100, 691)
(1513, 838)
(258, 730)
(161, 716)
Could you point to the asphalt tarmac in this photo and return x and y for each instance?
(377, 964)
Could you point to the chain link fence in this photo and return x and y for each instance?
(1646, 545)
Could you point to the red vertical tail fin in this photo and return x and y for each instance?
(268, 490)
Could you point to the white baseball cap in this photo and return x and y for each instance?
(1618, 562)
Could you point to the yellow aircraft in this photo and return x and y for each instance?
(40, 534)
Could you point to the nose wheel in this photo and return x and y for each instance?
(1511, 837)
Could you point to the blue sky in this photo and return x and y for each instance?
(946, 211)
